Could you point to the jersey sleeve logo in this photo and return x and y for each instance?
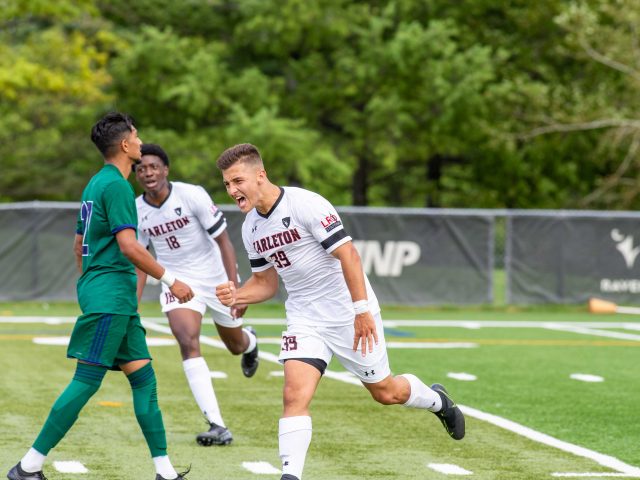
(330, 222)
(286, 221)
(178, 211)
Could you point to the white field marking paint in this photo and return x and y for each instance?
(586, 377)
(593, 474)
(565, 327)
(469, 324)
(448, 469)
(604, 460)
(216, 374)
(51, 340)
(465, 377)
(261, 468)
(151, 341)
(70, 467)
(276, 373)
(430, 345)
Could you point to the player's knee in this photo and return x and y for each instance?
(385, 396)
(189, 347)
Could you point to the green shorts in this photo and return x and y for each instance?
(108, 339)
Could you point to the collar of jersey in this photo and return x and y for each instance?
(274, 206)
(163, 202)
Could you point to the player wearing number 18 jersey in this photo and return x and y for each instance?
(189, 236)
(331, 309)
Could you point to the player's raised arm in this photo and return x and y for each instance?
(261, 286)
(365, 329)
(143, 260)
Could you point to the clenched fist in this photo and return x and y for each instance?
(226, 293)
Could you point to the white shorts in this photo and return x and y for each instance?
(203, 297)
(304, 341)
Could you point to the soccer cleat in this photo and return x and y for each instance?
(216, 435)
(181, 476)
(288, 476)
(249, 362)
(450, 415)
(16, 473)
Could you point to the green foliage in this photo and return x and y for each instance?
(391, 102)
(52, 82)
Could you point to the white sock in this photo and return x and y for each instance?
(199, 379)
(32, 461)
(164, 467)
(294, 439)
(422, 396)
(252, 340)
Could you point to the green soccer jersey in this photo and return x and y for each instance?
(108, 280)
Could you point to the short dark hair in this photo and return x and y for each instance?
(156, 150)
(110, 130)
(243, 152)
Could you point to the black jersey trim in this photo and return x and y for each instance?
(318, 363)
(163, 202)
(333, 239)
(257, 262)
(274, 206)
(213, 229)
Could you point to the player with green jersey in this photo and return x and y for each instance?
(109, 334)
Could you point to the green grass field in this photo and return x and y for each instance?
(523, 376)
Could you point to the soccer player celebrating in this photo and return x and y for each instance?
(108, 334)
(331, 309)
(189, 236)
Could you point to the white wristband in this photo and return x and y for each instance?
(361, 306)
(168, 279)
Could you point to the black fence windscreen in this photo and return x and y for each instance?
(569, 259)
(412, 257)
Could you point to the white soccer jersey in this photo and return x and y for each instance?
(296, 238)
(181, 231)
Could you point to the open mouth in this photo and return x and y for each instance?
(150, 183)
(241, 202)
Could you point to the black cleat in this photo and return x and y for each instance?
(288, 476)
(216, 435)
(16, 473)
(181, 476)
(249, 362)
(451, 417)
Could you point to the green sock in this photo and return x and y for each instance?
(145, 405)
(67, 407)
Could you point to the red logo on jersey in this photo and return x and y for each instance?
(330, 222)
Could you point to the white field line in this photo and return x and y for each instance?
(449, 469)
(261, 468)
(605, 460)
(390, 323)
(566, 327)
(70, 466)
